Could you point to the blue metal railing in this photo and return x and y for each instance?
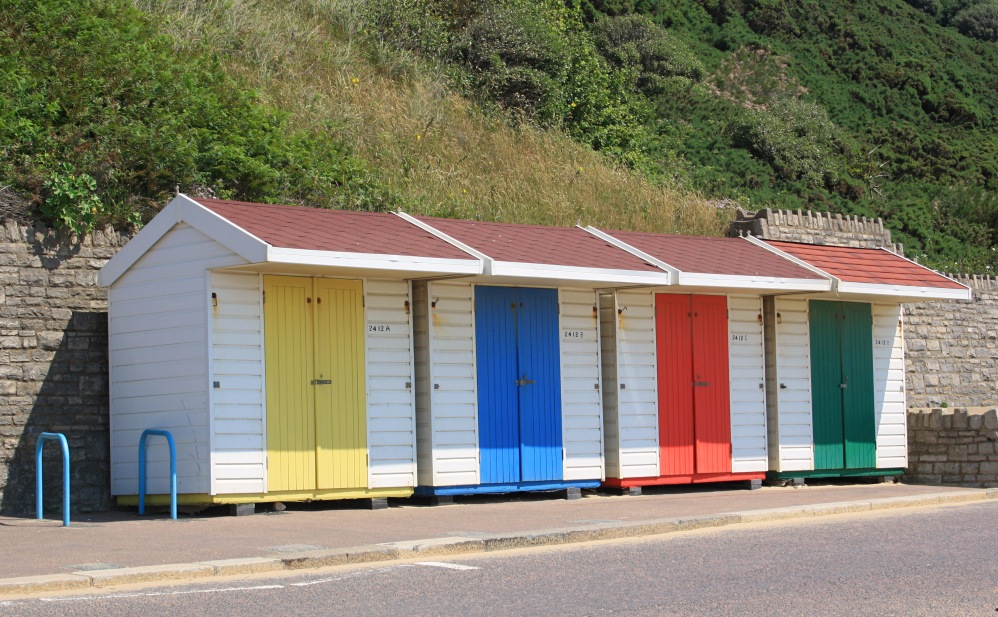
(65, 475)
(173, 470)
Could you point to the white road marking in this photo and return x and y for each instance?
(333, 579)
(146, 594)
(149, 594)
(449, 566)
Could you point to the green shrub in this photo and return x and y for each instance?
(646, 51)
(979, 22)
(795, 137)
(97, 107)
(517, 56)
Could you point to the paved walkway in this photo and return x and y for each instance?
(100, 550)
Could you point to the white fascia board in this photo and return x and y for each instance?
(574, 273)
(905, 292)
(760, 283)
(224, 231)
(141, 242)
(371, 261)
(791, 258)
(671, 270)
(486, 265)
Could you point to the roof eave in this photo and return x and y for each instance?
(374, 261)
(755, 283)
(905, 293)
(603, 276)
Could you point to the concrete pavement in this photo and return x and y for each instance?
(117, 548)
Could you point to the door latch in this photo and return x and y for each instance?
(524, 382)
(322, 382)
(701, 383)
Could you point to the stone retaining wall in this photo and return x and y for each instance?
(952, 349)
(53, 365)
(953, 446)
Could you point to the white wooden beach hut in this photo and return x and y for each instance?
(835, 362)
(275, 344)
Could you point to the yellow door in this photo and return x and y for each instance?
(316, 403)
(340, 398)
(287, 327)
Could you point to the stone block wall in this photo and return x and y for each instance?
(53, 365)
(953, 446)
(814, 228)
(952, 349)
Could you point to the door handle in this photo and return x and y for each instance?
(701, 383)
(524, 382)
(321, 382)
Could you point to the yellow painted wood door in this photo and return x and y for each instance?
(340, 418)
(287, 327)
(316, 402)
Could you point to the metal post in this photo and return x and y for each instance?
(39, 510)
(173, 470)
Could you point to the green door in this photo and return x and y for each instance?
(842, 385)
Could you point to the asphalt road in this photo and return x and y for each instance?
(930, 561)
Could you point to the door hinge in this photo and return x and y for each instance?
(264, 294)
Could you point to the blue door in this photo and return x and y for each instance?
(519, 384)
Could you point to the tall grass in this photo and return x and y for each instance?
(438, 153)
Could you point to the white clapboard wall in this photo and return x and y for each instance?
(446, 384)
(746, 365)
(788, 360)
(391, 417)
(888, 378)
(158, 337)
(636, 388)
(582, 409)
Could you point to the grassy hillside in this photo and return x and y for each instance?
(107, 105)
(878, 108)
(901, 105)
(622, 113)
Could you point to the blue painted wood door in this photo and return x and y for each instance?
(519, 384)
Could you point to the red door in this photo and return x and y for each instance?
(693, 394)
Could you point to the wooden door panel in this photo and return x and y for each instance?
(674, 348)
(290, 402)
(711, 389)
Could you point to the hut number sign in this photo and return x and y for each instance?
(740, 338)
(379, 328)
(574, 334)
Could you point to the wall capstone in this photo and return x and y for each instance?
(953, 446)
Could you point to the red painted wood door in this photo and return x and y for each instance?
(693, 391)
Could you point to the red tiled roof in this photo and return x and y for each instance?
(318, 229)
(855, 265)
(724, 256)
(535, 244)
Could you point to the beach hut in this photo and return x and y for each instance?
(275, 344)
(835, 362)
(508, 377)
(684, 364)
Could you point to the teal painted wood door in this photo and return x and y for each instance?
(842, 385)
